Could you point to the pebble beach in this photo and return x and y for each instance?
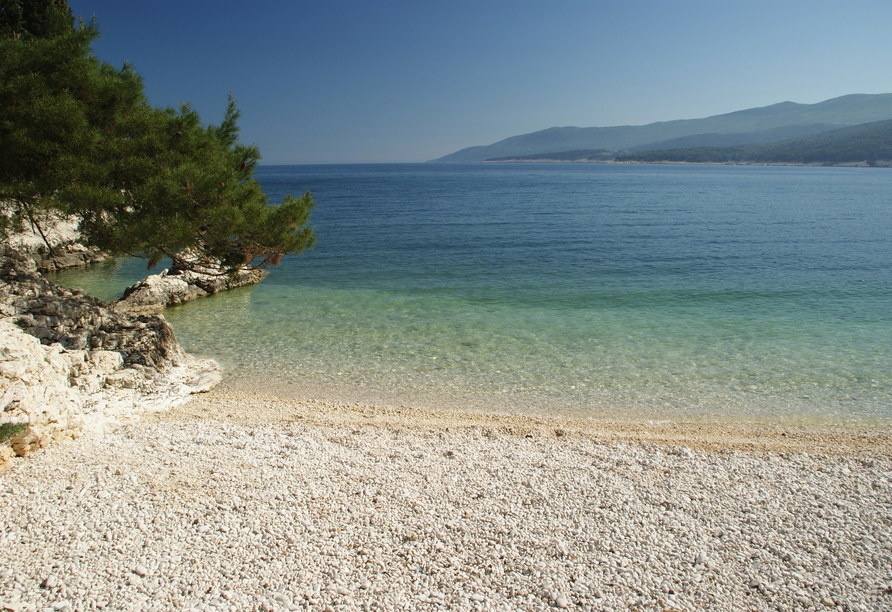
(244, 501)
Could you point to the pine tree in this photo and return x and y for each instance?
(184, 190)
(78, 137)
(37, 18)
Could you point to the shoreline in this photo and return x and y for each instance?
(232, 401)
(243, 501)
(631, 407)
(240, 501)
(859, 164)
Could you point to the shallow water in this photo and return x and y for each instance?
(641, 291)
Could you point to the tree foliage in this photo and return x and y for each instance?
(78, 137)
(37, 18)
(180, 188)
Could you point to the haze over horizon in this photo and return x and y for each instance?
(354, 82)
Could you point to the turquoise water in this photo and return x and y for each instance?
(641, 291)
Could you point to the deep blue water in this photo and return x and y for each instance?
(640, 291)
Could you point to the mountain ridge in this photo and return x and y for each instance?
(748, 126)
(867, 143)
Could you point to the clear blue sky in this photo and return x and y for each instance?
(334, 81)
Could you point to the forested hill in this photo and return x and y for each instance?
(746, 127)
(586, 155)
(870, 143)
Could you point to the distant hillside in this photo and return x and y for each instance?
(739, 138)
(752, 126)
(586, 155)
(868, 143)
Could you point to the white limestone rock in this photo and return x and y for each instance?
(156, 292)
(60, 394)
(174, 287)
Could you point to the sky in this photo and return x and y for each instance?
(339, 81)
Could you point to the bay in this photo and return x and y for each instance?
(602, 290)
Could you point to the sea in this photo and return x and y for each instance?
(655, 292)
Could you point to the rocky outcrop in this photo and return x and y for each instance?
(172, 287)
(71, 255)
(76, 321)
(55, 246)
(68, 362)
(156, 292)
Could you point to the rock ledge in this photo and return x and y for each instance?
(69, 363)
(172, 287)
